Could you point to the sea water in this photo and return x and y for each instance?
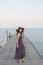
(34, 34)
(36, 37)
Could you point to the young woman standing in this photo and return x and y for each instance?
(20, 49)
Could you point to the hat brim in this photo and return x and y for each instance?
(19, 29)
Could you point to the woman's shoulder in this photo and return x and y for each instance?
(18, 35)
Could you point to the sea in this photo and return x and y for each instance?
(35, 35)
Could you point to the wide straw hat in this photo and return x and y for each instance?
(19, 29)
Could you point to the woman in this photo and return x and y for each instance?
(20, 49)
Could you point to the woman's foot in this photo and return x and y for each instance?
(22, 60)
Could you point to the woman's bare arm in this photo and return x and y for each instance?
(17, 40)
(23, 35)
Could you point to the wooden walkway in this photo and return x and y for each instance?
(8, 51)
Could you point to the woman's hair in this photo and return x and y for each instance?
(17, 30)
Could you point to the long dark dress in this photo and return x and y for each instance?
(20, 51)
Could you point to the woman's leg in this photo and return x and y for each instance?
(19, 60)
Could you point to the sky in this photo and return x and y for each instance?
(25, 13)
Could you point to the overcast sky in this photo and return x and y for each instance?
(26, 13)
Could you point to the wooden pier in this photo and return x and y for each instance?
(7, 53)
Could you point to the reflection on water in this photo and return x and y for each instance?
(34, 34)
